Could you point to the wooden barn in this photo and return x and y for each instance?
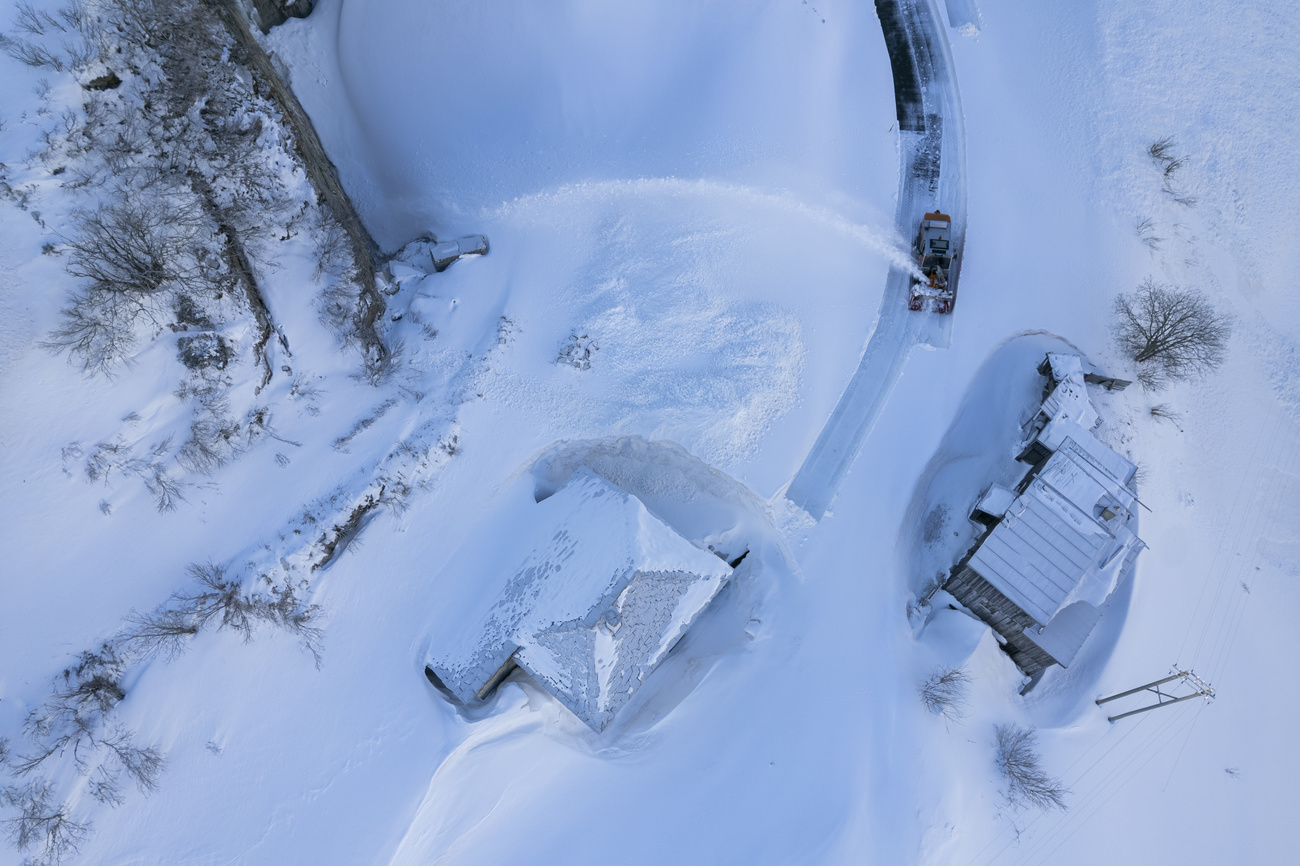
(1055, 548)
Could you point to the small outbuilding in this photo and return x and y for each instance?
(587, 591)
(1057, 547)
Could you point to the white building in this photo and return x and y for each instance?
(1059, 545)
(587, 591)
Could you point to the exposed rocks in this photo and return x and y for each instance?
(273, 13)
(107, 81)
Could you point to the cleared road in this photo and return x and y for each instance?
(932, 176)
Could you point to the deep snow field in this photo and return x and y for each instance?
(690, 210)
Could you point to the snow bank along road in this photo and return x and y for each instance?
(932, 150)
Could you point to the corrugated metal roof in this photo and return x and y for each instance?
(1052, 554)
(1039, 550)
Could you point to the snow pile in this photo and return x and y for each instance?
(602, 593)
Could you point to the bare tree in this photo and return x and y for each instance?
(71, 718)
(944, 692)
(131, 255)
(219, 601)
(135, 247)
(1171, 333)
(162, 632)
(42, 822)
(1021, 766)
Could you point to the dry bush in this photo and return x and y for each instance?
(1162, 153)
(1162, 149)
(1165, 412)
(1171, 333)
(219, 601)
(944, 692)
(1146, 233)
(1021, 766)
(131, 256)
(135, 247)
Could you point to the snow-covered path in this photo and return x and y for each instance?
(932, 152)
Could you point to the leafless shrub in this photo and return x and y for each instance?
(98, 332)
(1165, 412)
(105, 787)
(142, 765)
(166, 490)
(1161, 150)
(35, 21)
(333, 248)
(944, 692)
(219, 601)
(42, 823)
(1021, 766)
(130, 255)
(112, 456)
(135, 247)
(214, 431)
(31, 54)
(81, 700)
(1171, 333)
(163, 632)
(74, 720)
(304, 387)
(1146, 234)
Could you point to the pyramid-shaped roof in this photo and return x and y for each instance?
(587, 590)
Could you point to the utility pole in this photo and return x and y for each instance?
(1200, 689)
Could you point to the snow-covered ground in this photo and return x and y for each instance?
(690, 208)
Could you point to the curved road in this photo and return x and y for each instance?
(932, 175)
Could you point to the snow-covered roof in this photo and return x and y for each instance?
(586, 590)
(1039, 550)
(1066, 542)
(1069, 399)
(995, 500)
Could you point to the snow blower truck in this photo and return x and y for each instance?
(933, 249)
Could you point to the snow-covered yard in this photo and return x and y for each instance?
(691, 216)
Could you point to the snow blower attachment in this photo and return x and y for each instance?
(934, 254)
